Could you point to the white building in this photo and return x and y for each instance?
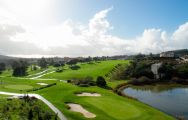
(167, 54)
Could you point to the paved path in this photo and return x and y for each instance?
(40, 74)
(59, 113)
(36, 77)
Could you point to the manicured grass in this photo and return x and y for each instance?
(32, 72)
(12, 84)
(107, 107)
(19, 87)
(93, 69)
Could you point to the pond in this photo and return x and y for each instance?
(171, 99)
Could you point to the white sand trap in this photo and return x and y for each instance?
(42, 84)
(89, 94)
(79, 108)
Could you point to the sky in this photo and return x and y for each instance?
(33, 28)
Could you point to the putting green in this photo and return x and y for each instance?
(19, 87)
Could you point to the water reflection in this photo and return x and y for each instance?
(172, 99)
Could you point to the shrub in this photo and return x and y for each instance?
(69, 81)
(59, 70)
(83, 85)
(141, 80)
(101, 81)
(35, 89)
(138, 69)
(167, 71)
(182, 71)
(74, 67)
(178, 80)
(85, 82)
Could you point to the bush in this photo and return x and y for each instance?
(83, 85)
(85, 82)
(182, 71)
(69, 81)
(75, 67)
(141, 80)
(101, 81)
(138, 69)
(35, 89)
(59, 70)
(167, 70)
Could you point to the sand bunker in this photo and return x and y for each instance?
(42, 84)
(89, 94)
(79, 108)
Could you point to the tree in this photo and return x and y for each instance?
(166, 71)
(2, 67)
(47, 115)
(72, 62)
(42, 63)
(56, 64)
(19, 68)
(30, 114)
(101, 81)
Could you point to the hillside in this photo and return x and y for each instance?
(3, 57)
(93, 69)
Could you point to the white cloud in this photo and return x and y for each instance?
(29, 27)
(180, 36)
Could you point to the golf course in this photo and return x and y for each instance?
(107, 106)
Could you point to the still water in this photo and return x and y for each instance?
(172, 99)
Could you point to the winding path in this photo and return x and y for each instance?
(56, 110)
(40, 74)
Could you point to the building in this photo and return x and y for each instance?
(169, 54)
(174, 53)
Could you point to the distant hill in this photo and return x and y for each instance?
(6, 57)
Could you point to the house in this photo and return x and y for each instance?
(169, 54)
(174, 53)
(184, 58)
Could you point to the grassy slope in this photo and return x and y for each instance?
(7, 73)
(107, 107)
(86, 69)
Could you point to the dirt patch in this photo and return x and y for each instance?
(78, 108)
(89, 94)
(43, 84)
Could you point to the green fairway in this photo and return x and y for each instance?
(11, 84)
(107, 107)
(93, 69)
(19, 87)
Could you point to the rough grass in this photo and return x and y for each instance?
(17, 109)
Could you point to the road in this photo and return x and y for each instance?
(56, 110)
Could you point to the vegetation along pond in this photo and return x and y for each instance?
(171, 99)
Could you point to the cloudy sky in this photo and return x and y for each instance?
(91, 28)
